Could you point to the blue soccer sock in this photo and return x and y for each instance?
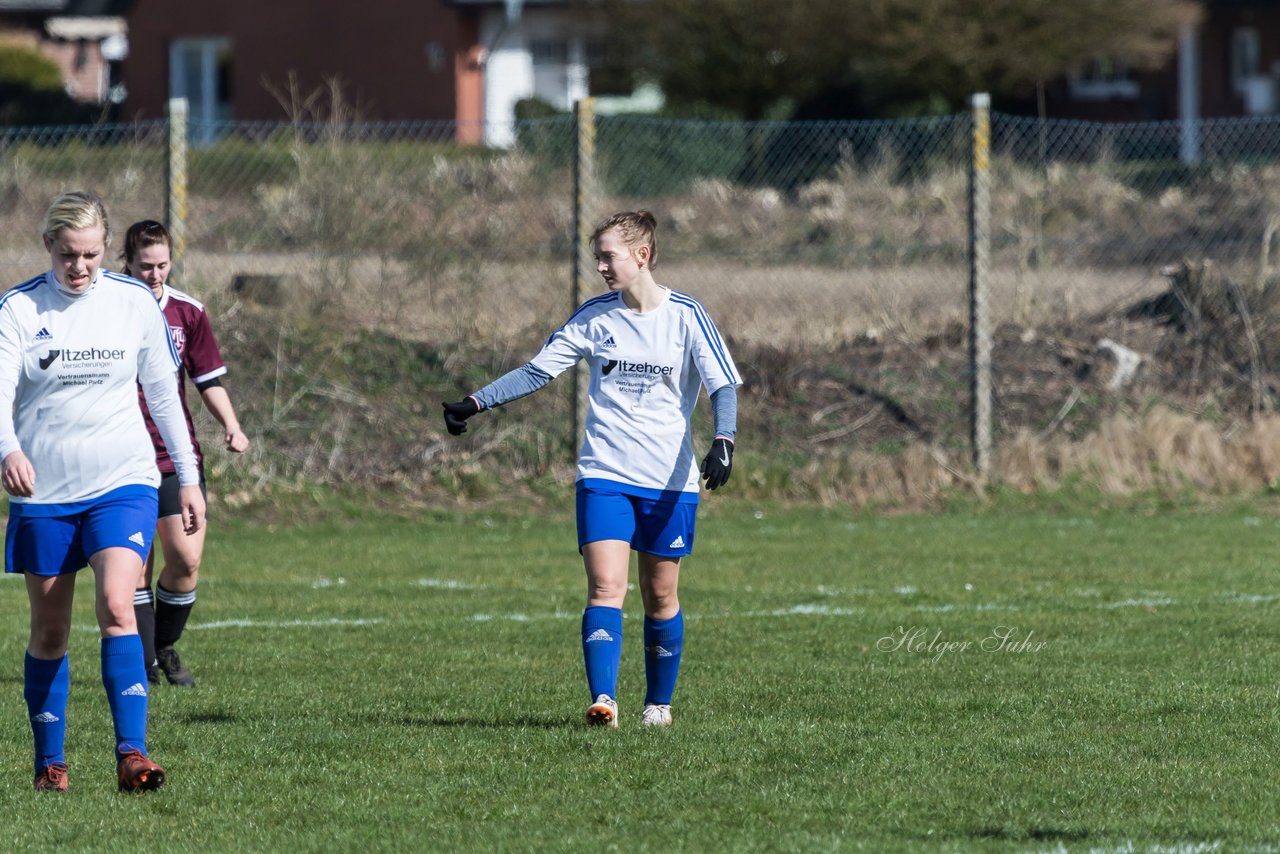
(125, 678)
(602, 648)
(663, 640)
(45, 686)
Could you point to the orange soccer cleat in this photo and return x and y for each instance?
(137, 773)
(53, 778)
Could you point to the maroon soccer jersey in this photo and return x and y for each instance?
(198, 349)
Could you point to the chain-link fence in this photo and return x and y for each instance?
(833, 255)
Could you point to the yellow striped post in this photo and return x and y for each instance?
(175, 212)
(979, 304)
(584, 204)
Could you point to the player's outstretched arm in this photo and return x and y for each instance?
(456, 415)
(513, 385)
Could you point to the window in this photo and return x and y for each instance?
(200, 71)
(1246, 58)
(549, 52)
(551, 72)
(1103, 79)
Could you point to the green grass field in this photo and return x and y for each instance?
(416, 685)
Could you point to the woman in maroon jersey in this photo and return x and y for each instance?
(147, 256)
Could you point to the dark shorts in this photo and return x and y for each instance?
(170, 502)
(656, 526)
(44, 544)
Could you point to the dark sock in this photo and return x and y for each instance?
(144, 612)
(172, 610)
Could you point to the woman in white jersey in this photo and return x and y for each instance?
(650, 350)
(78, 465)
(147, 254)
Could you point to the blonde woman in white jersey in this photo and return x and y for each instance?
(651, 350)
(78, 465)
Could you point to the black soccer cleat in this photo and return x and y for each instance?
(173, 668)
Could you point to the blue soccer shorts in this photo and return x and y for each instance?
(56, 540)
(661, 526)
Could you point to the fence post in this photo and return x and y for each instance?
(1189, 94)
(584, 202)
(175, 209)
(979, 304)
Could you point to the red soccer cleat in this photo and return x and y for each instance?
(53, 778)
(137, 773)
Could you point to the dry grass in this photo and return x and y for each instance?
(505, 305)
(1162, 452)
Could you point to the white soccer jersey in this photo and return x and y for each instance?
(646, 371)
(69, 369)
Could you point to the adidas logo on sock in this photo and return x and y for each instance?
(137, 538)
(677, 543)
(134, 690)
(660, 652)
(599, 635)
(43, 335)
(45, 718)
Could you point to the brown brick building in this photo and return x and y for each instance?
(393, 59)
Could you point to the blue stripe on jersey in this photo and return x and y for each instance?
(709, 332)
(129, 280)
(593, 301)
(28, 285)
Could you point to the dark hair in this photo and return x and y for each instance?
(636, 228)
(140, 235)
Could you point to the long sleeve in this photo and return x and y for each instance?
(10, 369)
(724, 406)
(166, 411)
(524, 380)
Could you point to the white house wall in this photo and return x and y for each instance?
(509, 68)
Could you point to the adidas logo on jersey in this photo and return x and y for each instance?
(43, 335)
(608, 342)
(134, 690)
(677, 543)
(599, 635)
(136, 537)
(45, 718)
(660, 652)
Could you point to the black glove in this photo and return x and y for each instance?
(718, 463)
(456, 415)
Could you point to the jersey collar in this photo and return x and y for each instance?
(58, 286)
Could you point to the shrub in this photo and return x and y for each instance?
(32, 92)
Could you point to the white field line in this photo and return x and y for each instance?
(799, 610)
(1158, 601)
(284, 624)
(446, 584)
(1169, 848)
(325, 623)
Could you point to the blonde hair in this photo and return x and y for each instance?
(636, 228)
(76, 210)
